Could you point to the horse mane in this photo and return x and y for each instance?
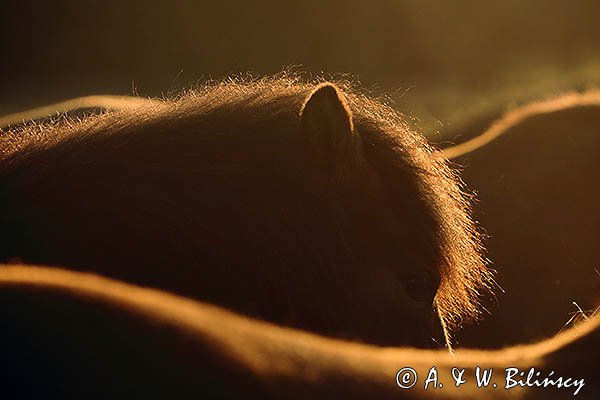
(392, 149)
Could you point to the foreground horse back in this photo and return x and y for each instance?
(72, 335)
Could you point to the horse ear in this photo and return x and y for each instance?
(326, 123)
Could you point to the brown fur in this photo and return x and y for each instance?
(218, 196)
(563, 102)
(535, 172)
(105, 102)
(103, 338)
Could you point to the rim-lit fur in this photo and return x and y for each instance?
(393, 152)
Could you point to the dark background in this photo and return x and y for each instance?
(451, 64)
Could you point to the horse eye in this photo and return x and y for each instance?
(420, 286)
